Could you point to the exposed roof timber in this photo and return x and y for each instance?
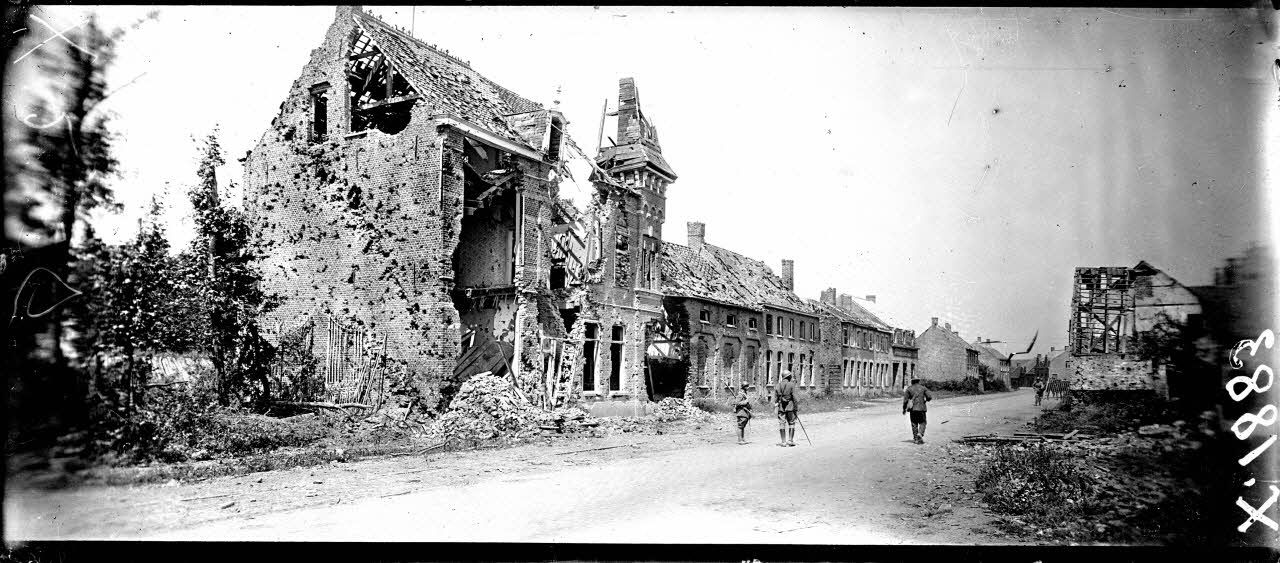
(389, 102)
(477, 133)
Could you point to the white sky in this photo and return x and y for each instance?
(956, 163)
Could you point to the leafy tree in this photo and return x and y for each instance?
(127, 311)
(229, 289)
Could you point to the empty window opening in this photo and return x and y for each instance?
(615, 360)
(589, 358)
(753, 323)
(704, 316)
(553, 139)
(768, 324)
(380, 96)
(319, 111)
(558, 274)
(731, 320)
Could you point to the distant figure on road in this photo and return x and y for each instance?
(915, 399)
(1039, 387)
(785, 400)
(742, 409)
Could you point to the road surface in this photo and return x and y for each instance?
(861, 482)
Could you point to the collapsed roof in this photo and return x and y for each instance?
(724, 276)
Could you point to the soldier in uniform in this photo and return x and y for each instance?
(785, 400)
(915, 400)
(742, 409)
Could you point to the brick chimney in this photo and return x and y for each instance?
(789, 274)
(697, 235)
(846, 302)
(828, 296)
(933, 321)
(871, 298)
(949, 327)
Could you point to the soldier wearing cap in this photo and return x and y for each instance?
(785, 400)
(742, 409)
(915, 399)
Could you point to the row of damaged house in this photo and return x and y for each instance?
(409, 214)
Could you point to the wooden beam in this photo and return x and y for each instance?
(372, 72)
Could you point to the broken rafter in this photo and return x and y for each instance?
(373, 71)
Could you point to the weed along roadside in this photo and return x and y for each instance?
(1117, 470)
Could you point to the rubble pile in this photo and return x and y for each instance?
(671, 409)
(486, 407)
(568, 419)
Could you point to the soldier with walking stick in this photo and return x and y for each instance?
(785, 400)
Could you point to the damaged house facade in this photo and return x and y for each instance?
(614, 307)
(857, 346)
(905, 351)
(735, 320)
(402, 200)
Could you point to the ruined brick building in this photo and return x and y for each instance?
(614, 308)
(404, 201)
(1111, 309)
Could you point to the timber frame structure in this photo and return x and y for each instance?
(1102, 303)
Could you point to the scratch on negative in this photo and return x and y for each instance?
(952, 37)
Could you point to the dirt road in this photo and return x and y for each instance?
(861, 482)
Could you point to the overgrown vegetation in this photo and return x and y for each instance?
(138, 300)
(1039, 483)
(1163, 485)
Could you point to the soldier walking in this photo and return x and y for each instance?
(915, 399)
(785, 400)
(742, 409)
(1039, 387)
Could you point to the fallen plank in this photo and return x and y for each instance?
(1070, 434)
(315, 405)
(398, 494)
(429, 448)
(413, 471)
(591, 449)
(203, 498)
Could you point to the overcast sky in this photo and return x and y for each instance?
(956, 163)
